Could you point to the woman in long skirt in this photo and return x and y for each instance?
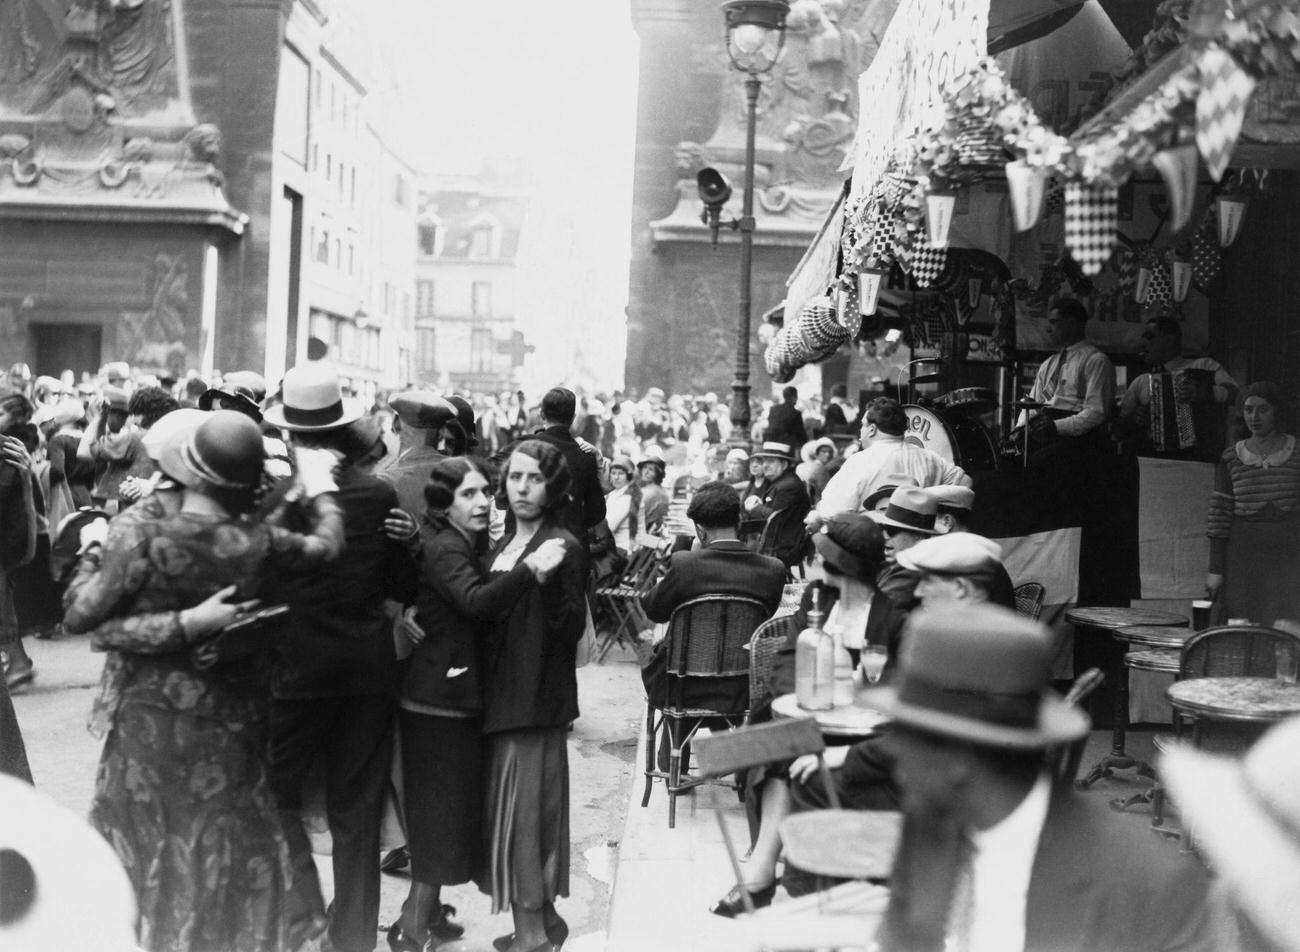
(531, 697)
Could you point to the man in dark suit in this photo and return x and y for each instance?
(783, 491)
(785, 422)
(721, 566)
(998, 850)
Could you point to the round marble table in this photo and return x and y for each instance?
(1154, 636)
(1108, 621)
(1159, 660)
(1253, 700)
(851, 721)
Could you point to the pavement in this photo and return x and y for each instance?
(635, 884)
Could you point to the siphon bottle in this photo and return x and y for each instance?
(814, 661)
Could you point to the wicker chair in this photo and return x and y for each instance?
(708, 637)
(763, 647)
(1029, 599)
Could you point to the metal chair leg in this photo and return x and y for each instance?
(651, 747)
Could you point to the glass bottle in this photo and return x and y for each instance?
(814, 662)
(842, 678)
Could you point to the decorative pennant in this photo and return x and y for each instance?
(1160, 291)
(1128, 271)
(1207, 259)
(1055, 196)
(1177, 166)
(1091, 217)
(1220, 107)
(1027, 185)
(927, 264)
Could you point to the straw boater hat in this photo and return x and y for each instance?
(313, 400)
(980, 674)
(957, 553)
(910, 509)
(224, 452)
(1246, 814)
(774, 450)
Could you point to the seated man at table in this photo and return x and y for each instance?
(996, 852)
(722, 565)
(908, 519)
(959, 567)
(852, 548)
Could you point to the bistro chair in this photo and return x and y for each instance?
(1029, 599)
(619, 599)
(768, 639)
(707, 640)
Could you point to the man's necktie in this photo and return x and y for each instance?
(961, 911)
(1057, 374)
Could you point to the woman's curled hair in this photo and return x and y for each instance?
(445, 478)
(555, 472)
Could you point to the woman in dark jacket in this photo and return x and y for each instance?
(441, 709)
(532, 695)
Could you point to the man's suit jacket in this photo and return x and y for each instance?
(788, 494)
(725, 567)
(785, 425)
(1101, 883)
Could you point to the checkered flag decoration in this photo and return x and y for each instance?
(1207, 259)
(927, 263)
(1091, 217)
(1161, 289)
(1055, 200)
(1220, 107)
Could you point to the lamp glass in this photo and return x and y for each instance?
(754, 48)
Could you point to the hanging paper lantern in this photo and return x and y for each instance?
(1142, 287)
(1230, 208)
(869, 284)
(1180, 276)
(1028, 188)
(938, 217)
(1177, 166)
(1091, 217)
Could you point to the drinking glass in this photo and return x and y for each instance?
(1201, 613)
(873, 662)
(1288, 660)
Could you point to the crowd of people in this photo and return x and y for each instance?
(286, 581)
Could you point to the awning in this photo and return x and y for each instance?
(819, 264)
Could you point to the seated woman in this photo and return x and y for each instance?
(852, 548)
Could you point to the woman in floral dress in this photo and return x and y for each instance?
(181, 792)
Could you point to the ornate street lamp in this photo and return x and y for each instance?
(755, 36)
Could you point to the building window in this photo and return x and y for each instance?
(400, 189)
(480, 350)
(480, 303)
(322, 253)
(480, 241)
(428, 240)
(426, 340)
(424, 299)
(351, 258)
(353, 175)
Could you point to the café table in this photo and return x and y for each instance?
(850, 722)
(1234, 700)
(1107, 620)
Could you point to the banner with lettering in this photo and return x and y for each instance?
(928, 42)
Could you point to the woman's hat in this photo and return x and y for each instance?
(853, 543)
(229, 393)
(737, 455)
(910, 509)
(313, 400)
(652, 454)
(809, 451)
(625, 464)
(1246, 815)
(981, 674)
(224, 452)
(465, 419)
(170, 431)
(115, 398)
(774, 450)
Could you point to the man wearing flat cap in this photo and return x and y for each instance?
(421, 415)
(998, 851)
(958, 567)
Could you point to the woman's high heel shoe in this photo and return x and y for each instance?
(399, 940)
(557, 933)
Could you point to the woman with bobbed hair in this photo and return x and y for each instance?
(531, 697)
(1254, 518)
(441, 706)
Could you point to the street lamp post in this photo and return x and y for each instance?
(755, 36)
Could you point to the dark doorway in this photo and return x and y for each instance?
(60, 347)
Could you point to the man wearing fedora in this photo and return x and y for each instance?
(783, 491)
(886, 454)
(335, 686)
(908, 519)
(998, 851)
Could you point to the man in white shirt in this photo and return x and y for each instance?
(998, 852)
(1076, 386)
(885, 456)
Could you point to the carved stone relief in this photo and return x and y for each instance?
(156, 338)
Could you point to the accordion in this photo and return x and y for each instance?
(1173, 425)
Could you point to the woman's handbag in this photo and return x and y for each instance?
(242, 640)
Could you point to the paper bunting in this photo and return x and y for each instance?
(1055, 195)
(1128, 271)
(1207, 259)
(1091, 217)
(1177, 166)
(1220, 107)
(927, 263)
(1161, 290)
